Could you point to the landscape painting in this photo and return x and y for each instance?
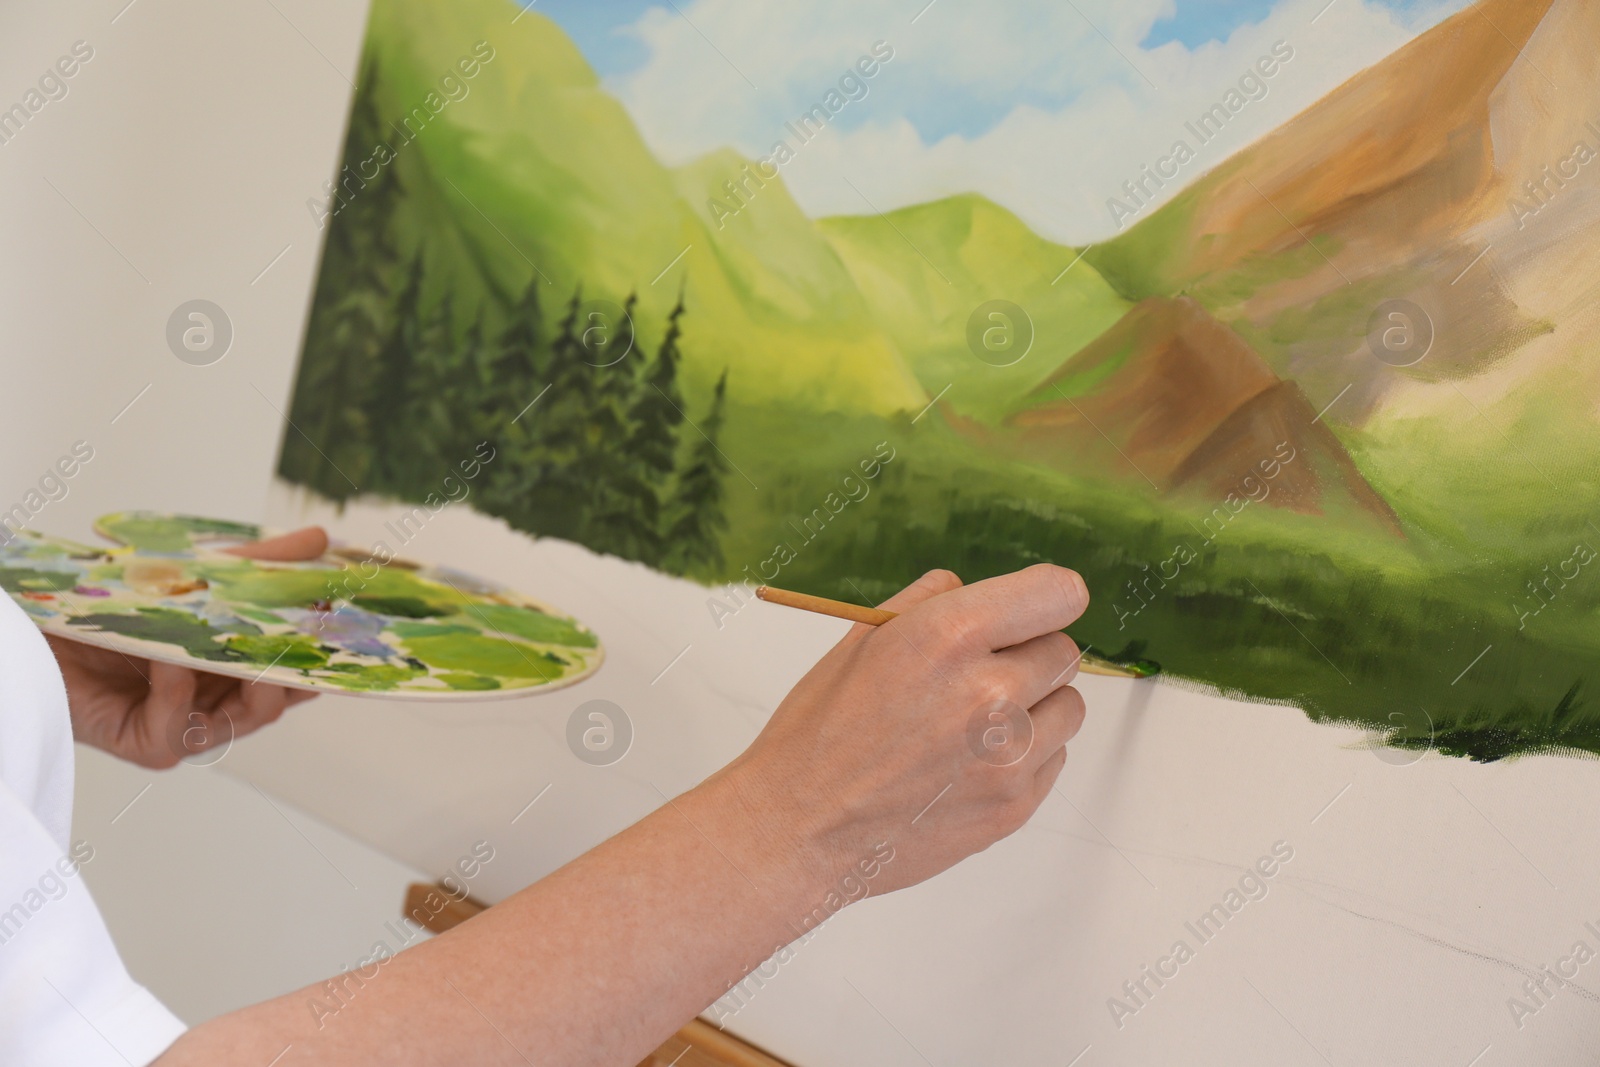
(1275, 320)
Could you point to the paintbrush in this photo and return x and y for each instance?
(1088, 664)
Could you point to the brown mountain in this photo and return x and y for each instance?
(1174, 397)
(1450, 175)
(1385, 164)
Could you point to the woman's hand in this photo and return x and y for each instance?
(936, 734)
(154, 714)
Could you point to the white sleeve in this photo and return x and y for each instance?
(65, 997)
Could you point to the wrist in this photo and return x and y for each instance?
(780, 847)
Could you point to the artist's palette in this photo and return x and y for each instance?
(348, 621)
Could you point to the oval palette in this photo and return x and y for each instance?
(347, 622)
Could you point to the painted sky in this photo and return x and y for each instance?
(1046, 107)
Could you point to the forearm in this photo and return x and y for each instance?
(877, 748)
(595, 964)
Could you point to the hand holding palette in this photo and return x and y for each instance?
(343, 622)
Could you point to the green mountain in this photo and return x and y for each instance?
(925, 270)
(539, 172)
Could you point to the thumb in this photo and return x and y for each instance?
(307, 543)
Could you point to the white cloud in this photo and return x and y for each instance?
(1050, 116)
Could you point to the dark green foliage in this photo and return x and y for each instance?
(555, 449)
(437, 430)
(585, 443)
(1561, 731)
(1348, 644)
(658, 412)
(390, 399)
(697, 507)
(623, 510)
(391, 390)
(500, 401)
(328, 445)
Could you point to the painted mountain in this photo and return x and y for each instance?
(1319, 430)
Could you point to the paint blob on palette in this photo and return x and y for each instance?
(341, 623)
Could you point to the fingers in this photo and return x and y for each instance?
(927, 587)
(1044, 779)
(1039, 666)
(930, 585)
(231, 707)
(258, 704)
(307, 543)
(1005, 611)
(171, 687)
(1056, 720)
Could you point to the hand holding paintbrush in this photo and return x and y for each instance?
(1088, 664)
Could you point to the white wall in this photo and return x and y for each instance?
(177, 167)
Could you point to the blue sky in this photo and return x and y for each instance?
(1197, 22)
(594, 26)
(600, 26)
(1042, 105)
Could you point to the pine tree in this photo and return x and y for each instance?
(388, 412)
(513, 371)
(657, 412)
(510, 376)
(431, 417)
(616, 365)
(697, 503)
(623, 510)
(553, 491)
(327, 446)
(465, 391)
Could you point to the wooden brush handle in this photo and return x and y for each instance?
(838, 609)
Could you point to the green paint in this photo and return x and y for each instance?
(370, 678)
(533, 625)
(470, 682)
(429, 629)
(232, 619)
(983, 253)
(1139, 262)
(167, 626)
(406, 607)
(1079, 382)
(104, 574)
(26, 579)
(169, 533)
(305, 585)
(295, 651)
(493, 656)
(204, 641)
(262, 616)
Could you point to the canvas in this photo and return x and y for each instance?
(349, 622)
(1296, 371)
